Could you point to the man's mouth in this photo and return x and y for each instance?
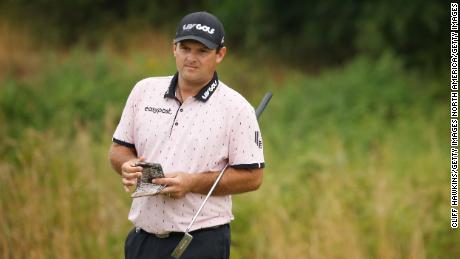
(190, 67)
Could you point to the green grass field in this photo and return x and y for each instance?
(357, 156)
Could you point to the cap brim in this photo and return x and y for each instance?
(206, 42)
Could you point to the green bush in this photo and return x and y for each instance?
(76, 91)
(360, 102)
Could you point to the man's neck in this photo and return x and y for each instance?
(188, 89)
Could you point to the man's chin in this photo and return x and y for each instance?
(191, 77)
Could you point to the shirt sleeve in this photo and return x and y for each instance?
(124, 133)
(246, 148)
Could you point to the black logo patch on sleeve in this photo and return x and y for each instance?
(257, 139)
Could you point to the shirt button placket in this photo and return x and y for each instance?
(181, 110)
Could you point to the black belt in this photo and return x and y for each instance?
(169, 234)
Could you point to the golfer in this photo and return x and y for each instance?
(193, 125)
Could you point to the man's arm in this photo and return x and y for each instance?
(233, 181)
(122, 159)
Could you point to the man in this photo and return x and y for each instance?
(192, 124)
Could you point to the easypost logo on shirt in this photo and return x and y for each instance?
(157, 110)
(198, 26)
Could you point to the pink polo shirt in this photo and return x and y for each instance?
(200, 135)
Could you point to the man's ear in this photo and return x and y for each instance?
(174, 47)
(221, 54)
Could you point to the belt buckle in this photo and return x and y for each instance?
(165, 235)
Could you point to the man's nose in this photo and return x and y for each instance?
(191, 57)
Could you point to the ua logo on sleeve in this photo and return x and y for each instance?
(257, 139)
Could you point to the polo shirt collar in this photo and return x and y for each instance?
(203, 95)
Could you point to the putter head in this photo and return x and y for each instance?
(183, 244)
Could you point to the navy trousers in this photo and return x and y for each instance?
(209, 243)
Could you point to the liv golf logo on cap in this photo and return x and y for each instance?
(203, 27)
(198, 27)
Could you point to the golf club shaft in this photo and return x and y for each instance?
(259, 111)
(207, 197)
(263, 104)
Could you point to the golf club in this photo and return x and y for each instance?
(185, 241)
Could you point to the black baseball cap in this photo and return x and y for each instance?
(203, 27)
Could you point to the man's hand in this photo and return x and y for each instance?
(177, 184)
(130, 173)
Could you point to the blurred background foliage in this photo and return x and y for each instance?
(355, 138)
(328, 32)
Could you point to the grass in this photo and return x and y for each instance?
(56, 200)
(356, 157)
(386, 206)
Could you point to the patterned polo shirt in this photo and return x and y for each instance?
(201, 134)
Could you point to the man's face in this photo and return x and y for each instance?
(195, 62)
